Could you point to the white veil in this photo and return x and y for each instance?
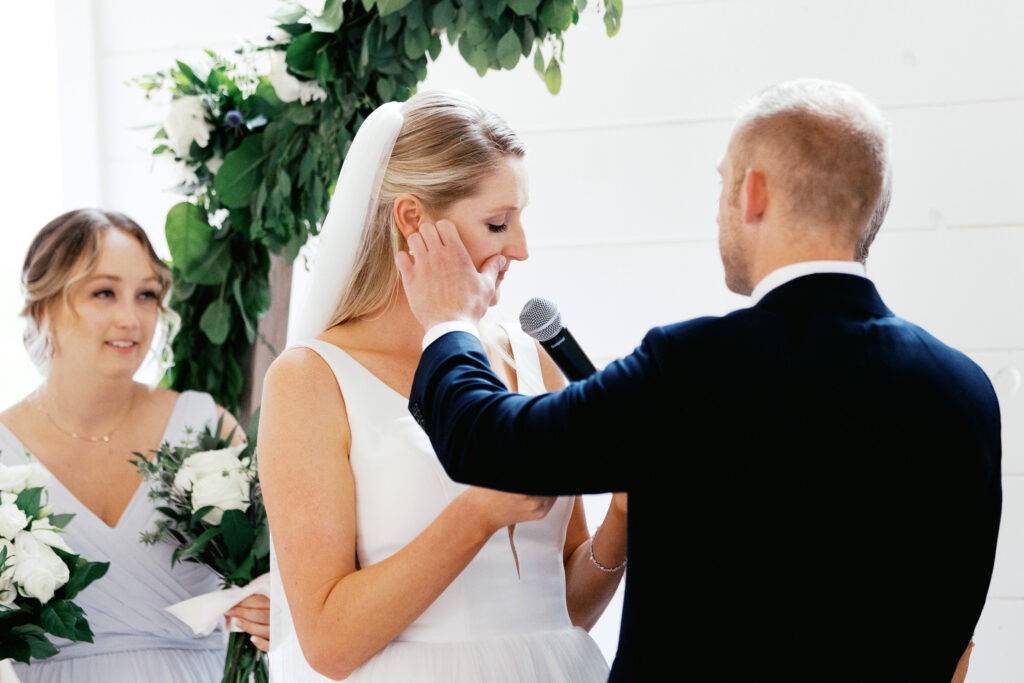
(352, 208)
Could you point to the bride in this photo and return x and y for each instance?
(385, 569)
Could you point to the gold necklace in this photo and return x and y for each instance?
(93, 439)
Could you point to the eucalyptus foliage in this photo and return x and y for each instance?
(262, 181)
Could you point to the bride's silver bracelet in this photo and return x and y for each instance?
(609, 570)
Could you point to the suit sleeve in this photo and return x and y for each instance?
(585, 438)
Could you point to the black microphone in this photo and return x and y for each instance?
(542, 320)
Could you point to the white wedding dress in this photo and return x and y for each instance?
(490, 625)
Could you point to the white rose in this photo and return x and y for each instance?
(48, 534)
(314, 7)
(17, 478)
(204, 463)
(227, 490)
(214, 164)
(39, 572)
(289, 88)
(186, 123)
(12, 519)
(8, 593)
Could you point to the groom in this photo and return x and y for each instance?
(814, 483)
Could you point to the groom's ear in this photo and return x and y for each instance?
(409, 214)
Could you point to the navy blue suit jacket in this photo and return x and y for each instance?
(814, 483)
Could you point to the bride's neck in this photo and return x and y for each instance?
(393, 326)
(84, 402)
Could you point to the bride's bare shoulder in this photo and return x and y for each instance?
(299, 363)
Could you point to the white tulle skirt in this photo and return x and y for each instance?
(568, 656)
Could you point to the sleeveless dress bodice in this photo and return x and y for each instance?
(134, 638)
(491, 623)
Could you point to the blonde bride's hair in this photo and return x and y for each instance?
(448, 144)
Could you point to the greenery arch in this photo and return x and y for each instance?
(260, 153)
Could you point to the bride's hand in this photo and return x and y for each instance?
(252, 615)
(496, 509)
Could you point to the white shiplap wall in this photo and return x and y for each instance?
(624, 188)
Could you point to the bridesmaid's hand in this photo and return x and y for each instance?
(252, 615)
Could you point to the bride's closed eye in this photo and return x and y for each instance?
(497, 228)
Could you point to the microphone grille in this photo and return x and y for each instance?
(540, 318)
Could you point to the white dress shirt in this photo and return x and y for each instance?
(781, 276)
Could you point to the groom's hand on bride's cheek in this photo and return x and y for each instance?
(441, 282)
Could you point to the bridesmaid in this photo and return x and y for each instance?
(94, 292)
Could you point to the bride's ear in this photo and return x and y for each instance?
(409, 214)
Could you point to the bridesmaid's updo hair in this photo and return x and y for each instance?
(64, 253)
(447, 146)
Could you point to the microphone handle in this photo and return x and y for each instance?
(568, 356)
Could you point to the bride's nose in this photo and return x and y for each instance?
(516, 248)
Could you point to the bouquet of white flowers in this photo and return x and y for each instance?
(214, 515)
(39, 574)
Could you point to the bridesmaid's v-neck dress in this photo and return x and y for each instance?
(135, 639)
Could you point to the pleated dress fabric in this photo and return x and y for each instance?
(135, 639)
(490, 625)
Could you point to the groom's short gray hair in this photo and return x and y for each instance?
(830, 149)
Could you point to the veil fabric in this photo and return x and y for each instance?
(352, 208)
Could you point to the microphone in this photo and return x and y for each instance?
(541, 319)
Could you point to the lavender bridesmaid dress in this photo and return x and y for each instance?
(135, 639)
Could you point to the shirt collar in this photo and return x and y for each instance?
(781, 276)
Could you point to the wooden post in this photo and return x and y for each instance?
(273, 330)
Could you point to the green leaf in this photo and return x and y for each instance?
(200, 543)
(39, 645)
(216, 321)
(612, 16)
(62, 521)
(523, 7)
(415, 42)
(442, 14)
(188, 234)
(28, 501)
(528, 37)
(538, 61)
(302, 51)
(250, 328)
(82, 574)
(59, 617)
(385, 89)
(237, 533)
(477, 30)
(434, 49)
(492, 9)
(240, 174)
(296, 112)
(553, 77)
(479, 60)
(261, 546)
(212, 267)
(509, 49)
(15, 648)
(557, 14)
(243, 573)
(198, 515)
(83, 634)
(386, 7)
(330, 20)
